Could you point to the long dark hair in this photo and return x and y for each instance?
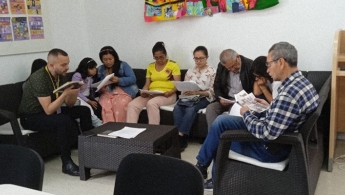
(259, 67)
(117, 62)
(84, 65)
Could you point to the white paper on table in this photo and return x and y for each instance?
(127, 132)
(104, 82)
(151, 92)
(186, 86)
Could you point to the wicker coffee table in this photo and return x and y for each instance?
(106, 153)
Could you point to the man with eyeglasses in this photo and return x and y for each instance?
(233, 75)
(297, 99)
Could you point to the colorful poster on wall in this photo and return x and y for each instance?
(20, 28)
(158, 10)
(34, 7)
(36, 27)
(3, 7)
(5, 29)
(17, 7)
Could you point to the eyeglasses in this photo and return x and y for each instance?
(268, 63)
(232, 66)
(159, 57)
(199, 59)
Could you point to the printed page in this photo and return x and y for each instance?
(104, 82)
(186, 86)
(245, 99)
(127, 132)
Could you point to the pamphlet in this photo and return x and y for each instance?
(245, 99)
(153, 92)
(76, 85)
(186, 86)
(102, 83)
(126, 132)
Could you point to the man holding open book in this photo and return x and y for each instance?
(40, 108)
(296, 100)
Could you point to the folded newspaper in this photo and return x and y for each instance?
(245, 99)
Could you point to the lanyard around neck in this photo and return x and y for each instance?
(56, 85)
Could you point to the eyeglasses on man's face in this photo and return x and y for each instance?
(232, 66)
(268, 63)
(199, 59)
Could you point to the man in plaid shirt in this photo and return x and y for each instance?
(296, 100)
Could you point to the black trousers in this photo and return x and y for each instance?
(60, 124)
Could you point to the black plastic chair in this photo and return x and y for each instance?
(299, 177)
(21, 166)
(153, 174)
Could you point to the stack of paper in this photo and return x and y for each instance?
(127, 132)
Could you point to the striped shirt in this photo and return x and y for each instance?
(296, 100)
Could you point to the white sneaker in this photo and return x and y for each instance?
(96, 122)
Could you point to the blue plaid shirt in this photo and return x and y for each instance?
(296, 100)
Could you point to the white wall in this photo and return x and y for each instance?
(83, 27)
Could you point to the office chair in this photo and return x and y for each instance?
(153, 174)
(21, 166)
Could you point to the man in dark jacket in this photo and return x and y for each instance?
(233, 75)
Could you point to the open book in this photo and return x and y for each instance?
(153, 92)
(245, 99)
(126, 132)
(75, 84)
(186, 86)
(102, 83)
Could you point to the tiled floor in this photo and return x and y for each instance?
(102, 182)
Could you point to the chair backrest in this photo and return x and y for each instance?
(153, 174)
(309, 128)
(21, 166)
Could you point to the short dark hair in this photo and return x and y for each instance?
(84, 65)
(159, 46)
(55, 52)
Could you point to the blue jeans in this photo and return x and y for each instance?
(257, 150)
(184, 115)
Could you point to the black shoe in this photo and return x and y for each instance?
(183, 142)
(70, 168)
(202, 169)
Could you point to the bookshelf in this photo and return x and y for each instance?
(337, 123)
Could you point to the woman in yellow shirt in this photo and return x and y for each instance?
(159, 77)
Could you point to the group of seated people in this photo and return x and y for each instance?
(290, 101)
